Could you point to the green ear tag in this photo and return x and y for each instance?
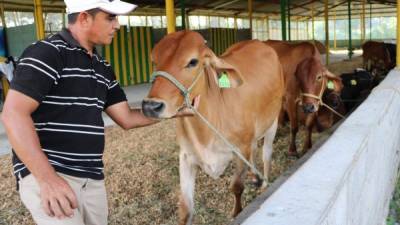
(330, 85)
(353, 82)
(223, 81)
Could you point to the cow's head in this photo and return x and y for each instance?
(184, 58)
(314, 79)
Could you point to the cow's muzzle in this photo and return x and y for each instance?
(309, 108)
(152, 108)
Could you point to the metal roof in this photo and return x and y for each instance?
(261, 8)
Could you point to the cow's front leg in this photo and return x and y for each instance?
(187, 174)
(237, 185)
(267, 150)
(310, 120)
(294, 126)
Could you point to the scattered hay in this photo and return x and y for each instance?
(142, 179)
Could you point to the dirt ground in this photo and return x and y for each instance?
(143, 182)
(141, 169)
(345, 66)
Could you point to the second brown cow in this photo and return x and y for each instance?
(306, 80)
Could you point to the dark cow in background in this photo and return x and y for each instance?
(357, 86)
(378, 57)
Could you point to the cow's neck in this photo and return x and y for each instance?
(212, 106)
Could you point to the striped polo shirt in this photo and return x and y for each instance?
(73, 88)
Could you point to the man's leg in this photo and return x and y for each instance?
(94, 203)
(30, 195)
(1, 99)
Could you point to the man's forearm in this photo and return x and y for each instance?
(25, 142)
(140, 120)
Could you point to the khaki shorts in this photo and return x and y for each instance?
(92, 201)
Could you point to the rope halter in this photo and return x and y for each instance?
(319, 96)
(184, 91)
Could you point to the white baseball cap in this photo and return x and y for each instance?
(116, 7)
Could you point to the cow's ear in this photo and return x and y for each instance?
(226, 75)
(337, 81)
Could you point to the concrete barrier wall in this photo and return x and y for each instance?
(350, 179)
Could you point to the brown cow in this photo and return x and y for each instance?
(243, 113)
(304, 73)
(378, 57)
(325, 117)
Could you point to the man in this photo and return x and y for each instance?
(1, 91)
(52, 116)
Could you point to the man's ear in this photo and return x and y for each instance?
(222, 68)
(83, 18)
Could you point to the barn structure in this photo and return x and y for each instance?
(352, 189)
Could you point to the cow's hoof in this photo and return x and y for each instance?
(293, 154)
(264, 186)
(236, 211)
(256, 181)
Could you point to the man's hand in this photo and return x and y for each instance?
(57, 197)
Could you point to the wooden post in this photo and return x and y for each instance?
(39, 19)
(327, 32)
(363, 22)
(3, 18)
(308, 30)
(170, 11)
(267, 21)
(334, 29)
(312, 20)
(235, 25)
(250, 8)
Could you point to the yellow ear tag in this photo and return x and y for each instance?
(353, 82)
(330, 85)
(223, 81)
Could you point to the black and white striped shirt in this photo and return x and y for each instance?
(73, 88)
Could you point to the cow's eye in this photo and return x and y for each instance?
(319, 77)
(192, 63)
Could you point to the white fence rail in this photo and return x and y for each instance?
(350, 179)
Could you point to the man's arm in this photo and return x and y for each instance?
(127, 117)
(57, 197)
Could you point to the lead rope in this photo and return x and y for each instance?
(186, 94)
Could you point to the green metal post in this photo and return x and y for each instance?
(289, 27)
(283, 19)
(349, 14)
(370, 20)
(183, 14)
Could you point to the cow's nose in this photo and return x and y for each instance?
(308, 108)
(335, 104)
(152, 108)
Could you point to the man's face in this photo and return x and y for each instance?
(103, 27)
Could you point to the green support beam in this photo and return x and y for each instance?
(289, 25)
(283, 19)
(350, 42)
(183, 14)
